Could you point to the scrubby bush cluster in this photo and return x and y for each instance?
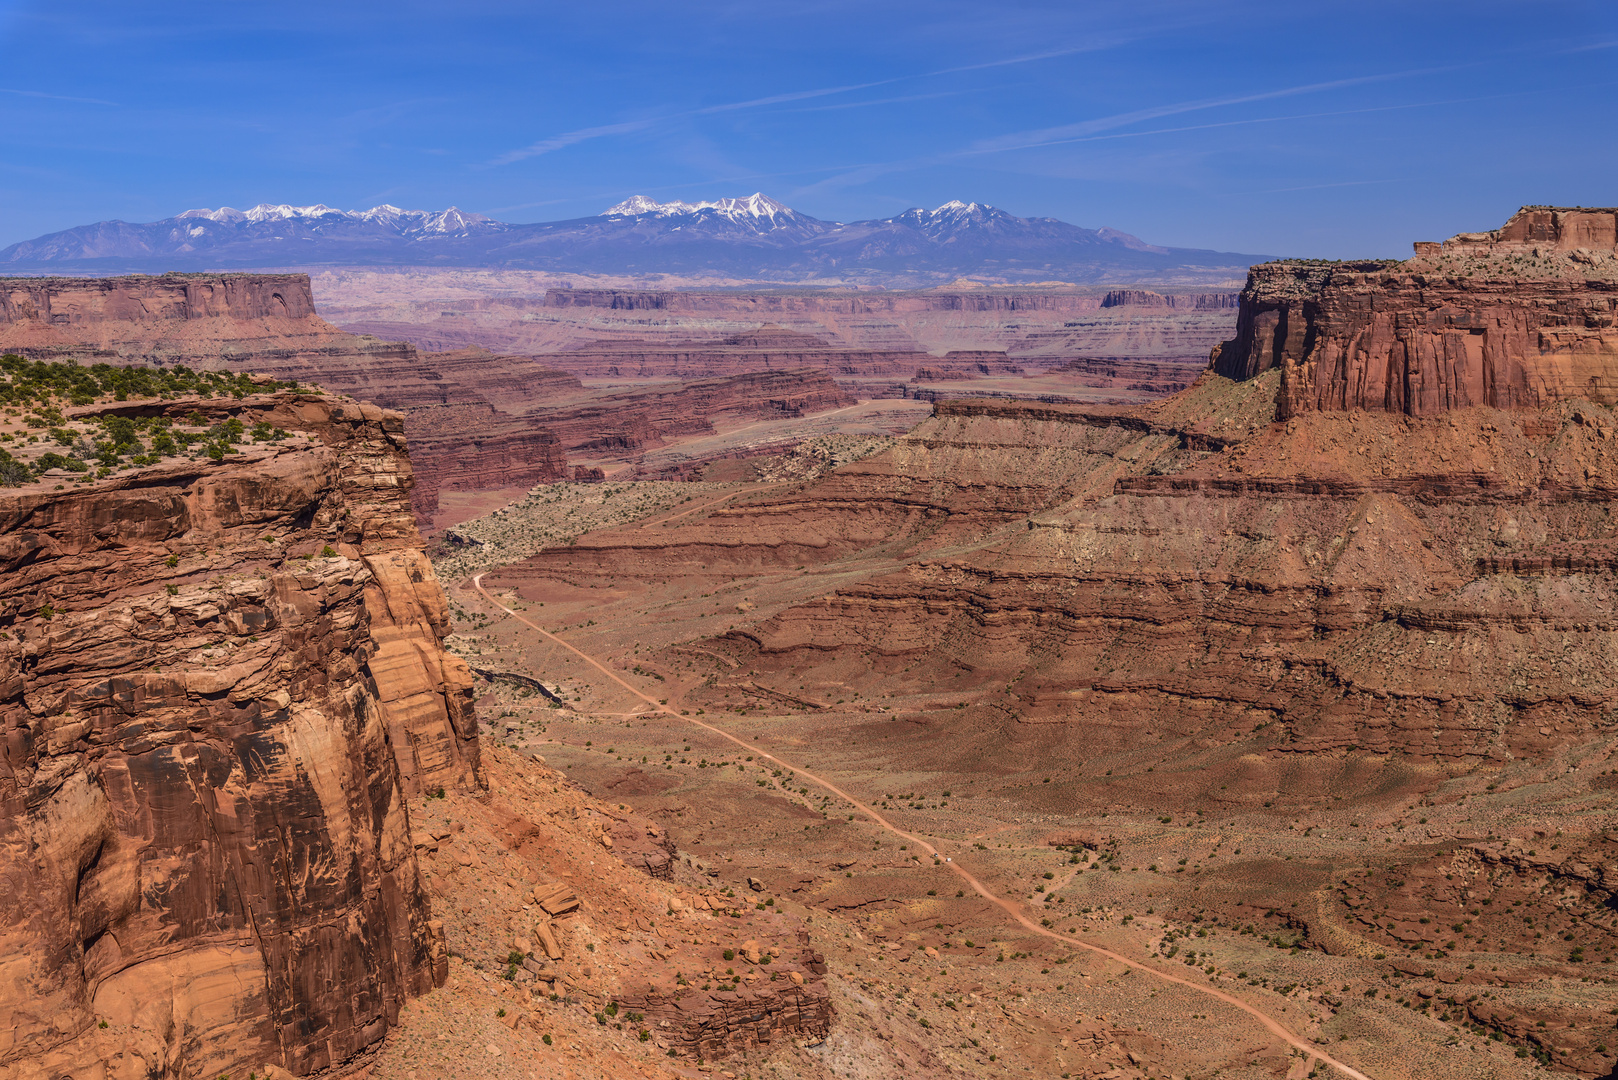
(30, 381)
(41, 390)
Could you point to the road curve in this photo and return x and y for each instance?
(1270, 1024)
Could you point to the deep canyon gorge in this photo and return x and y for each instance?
(1093, 682)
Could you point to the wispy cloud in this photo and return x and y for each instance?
(1026, 140)
(1095, 46)
(781, 99)
(569, 138)
(1264, 120)
(1317, 187)
(1020, 141)
(883, 101)
(56, 97)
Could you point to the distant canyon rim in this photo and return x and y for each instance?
(816, 682)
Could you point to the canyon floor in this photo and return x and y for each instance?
(1204, 867)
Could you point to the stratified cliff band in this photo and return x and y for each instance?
(1520, 317)
(219, 682)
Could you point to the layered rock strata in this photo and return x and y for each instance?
(634, 327)
(1518, 318)
(472, 446)
(267, 322)
(219, 684)
(646, 417)
(767, 349)
(1198, 570)
(175, 316)
(1250, 603)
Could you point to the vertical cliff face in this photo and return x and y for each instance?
(175, 315)
(1520, 317)
(219, 683)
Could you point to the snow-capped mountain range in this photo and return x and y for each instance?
(451, 222)
(756, 205)
(751, 238)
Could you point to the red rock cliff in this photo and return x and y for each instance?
(219, 683)
(267, 323)
(1521, 317)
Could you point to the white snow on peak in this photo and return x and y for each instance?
(636, 205)
(453, 220)
(756, 205)
(956, 207)
(954, 212)
(283, 212)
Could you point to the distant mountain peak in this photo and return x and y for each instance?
(756, 205)
(750, 236)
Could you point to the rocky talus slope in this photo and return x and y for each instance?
(220, 681)
(1251, 594)
(579, 940)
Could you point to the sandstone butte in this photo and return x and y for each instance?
(1379, 530)
(228, 715)
(209, 744)
(1520, 317)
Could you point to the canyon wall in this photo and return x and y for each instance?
(219, 684)
(267, 323)
(510, 312)
(172, 317)
(1516, 318)
(476, 420)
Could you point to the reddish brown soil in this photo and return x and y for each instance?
(1273, 655)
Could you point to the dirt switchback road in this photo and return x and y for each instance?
(1011, 908)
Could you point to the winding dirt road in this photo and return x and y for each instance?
(1010, 907)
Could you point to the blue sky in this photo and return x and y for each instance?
(1320, 128)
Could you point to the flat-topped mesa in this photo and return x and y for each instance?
(1561, 228)
(172, 316)
(1520, 317)
(165, 298)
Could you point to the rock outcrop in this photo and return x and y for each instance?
(1518, 318)
(646, 417)
(219, 683)
(175, 316)
(472, 446)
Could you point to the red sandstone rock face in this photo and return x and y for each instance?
(1518, 318)
(209, 740)
(171, 317)
(471, 446)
